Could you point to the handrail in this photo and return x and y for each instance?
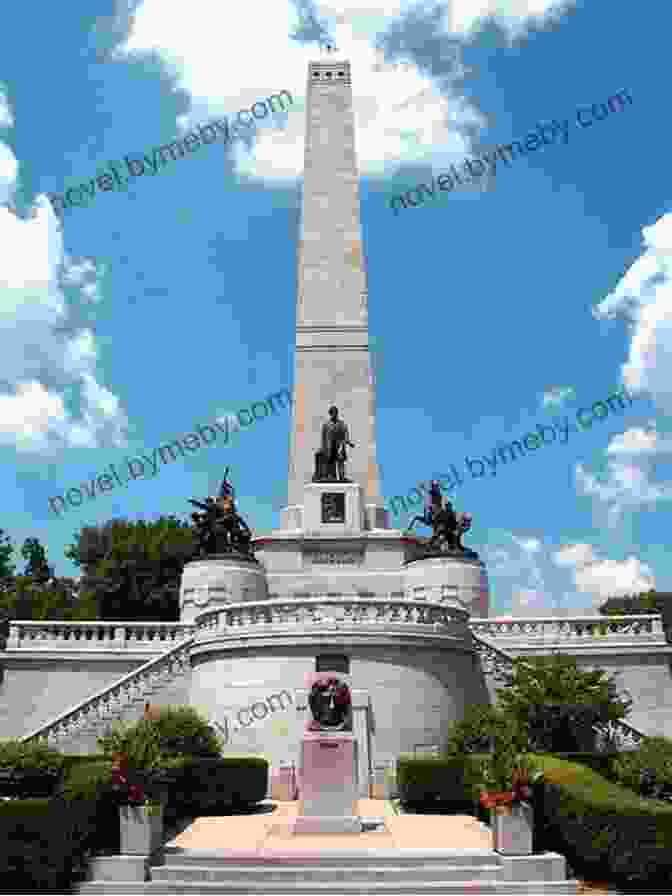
(99, 695)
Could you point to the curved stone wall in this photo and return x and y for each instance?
(449, 580)
(412, 694)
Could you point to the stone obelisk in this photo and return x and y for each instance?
(332, 362)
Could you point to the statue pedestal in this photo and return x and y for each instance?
(328, 785)
(336, 508)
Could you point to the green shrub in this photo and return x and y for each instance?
(87, 791)
(206, 782)
(178, 733)
(139, 741)
(33, 755)
(647, 770)
(39, 845)
(602, 763)
(605, 831)
(428, 779)
(564, 727)
(184, 731)
(484, 728)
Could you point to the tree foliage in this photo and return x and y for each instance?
(133, 568)
(7, 567)
(557, 679)
(24, 598)
(37, 567)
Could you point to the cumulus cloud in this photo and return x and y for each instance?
(400, 113)
(627, 480)
(643, 298)
(47, 358)
(601, 577)
(513, 563)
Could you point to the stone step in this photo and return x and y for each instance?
(276, 877)
(332, 888)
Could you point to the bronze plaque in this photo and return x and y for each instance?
(333, 507)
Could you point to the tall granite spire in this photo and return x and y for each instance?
(332, 364)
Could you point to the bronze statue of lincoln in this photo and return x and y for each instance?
(335, 437)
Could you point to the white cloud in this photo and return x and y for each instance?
(637, 442)
(627, 483)
(603, 578)
(643, 298)
(514, 568)
(44, 355)
(577, 555)
(6, 117)
(400, 116)
(462, 17)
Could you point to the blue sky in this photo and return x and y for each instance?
(521, 298)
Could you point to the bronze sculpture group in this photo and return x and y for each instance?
(447, 526)
(220, 529)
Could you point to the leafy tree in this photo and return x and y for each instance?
(37, 567)
(133, 568)
(484, 728)
(7, 568)
(556, 679)
(59, 599)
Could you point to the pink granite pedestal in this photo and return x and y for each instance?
(328, 784)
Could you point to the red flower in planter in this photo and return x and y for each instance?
(128, 794)
(520, 792)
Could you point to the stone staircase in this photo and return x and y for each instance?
(164, 677)
(389, 871)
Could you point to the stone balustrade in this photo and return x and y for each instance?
(317, 609)
(54, 635)
(570, 628)
(107, 704)
(327, 609)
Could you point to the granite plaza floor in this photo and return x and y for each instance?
(271, 831)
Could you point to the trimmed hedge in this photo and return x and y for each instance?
(43, 842)
(647, 770)
(605, 831)
(87, 790)
(205, 783)
(39, 845)
(602, 763)
(431, 779)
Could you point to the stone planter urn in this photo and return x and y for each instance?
(141, 829)
(383, 781)
(512, 828)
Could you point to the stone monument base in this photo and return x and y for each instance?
(328, 785)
